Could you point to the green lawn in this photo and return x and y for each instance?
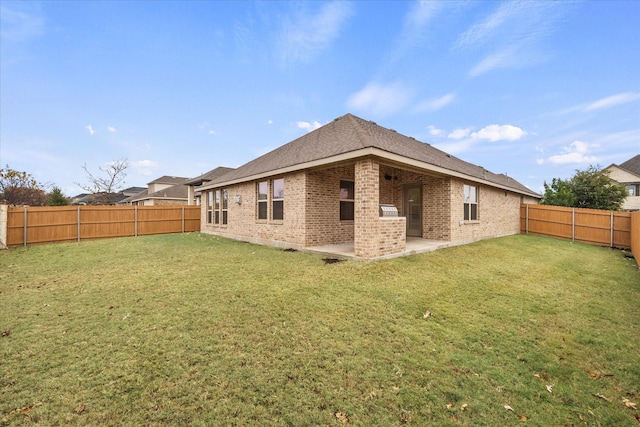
(193, 329)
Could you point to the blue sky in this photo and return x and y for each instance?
(535, 90)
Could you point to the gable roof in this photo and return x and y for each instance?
(632, 165)
(209, 176)
(349, 137)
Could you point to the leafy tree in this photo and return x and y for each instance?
(20, 188)
(591, 188)
(559, 193)
(56, 198)
(105, 185)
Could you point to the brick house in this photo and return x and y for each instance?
(327, 188)
(163, 191)
(628, 174)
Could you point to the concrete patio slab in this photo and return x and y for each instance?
(414, 245)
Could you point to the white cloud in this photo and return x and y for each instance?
(436, 103)
(90, 129)
(413, 30)
(270, 122)
(503, 59)
(309, 126)
(144, 167)
(111, 129)
(211, 132)
(434, 131)
(612, 101)
(381, 100)
(512, 34)
(306, 35)
(459, 134)
(576, 152)
(499, 133)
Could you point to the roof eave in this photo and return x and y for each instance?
(369, 151)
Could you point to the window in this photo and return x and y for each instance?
(470, 203)
(346, 200)
(277, 201)
(631, 189)
(225, 205)
(216, 207)
(262, 199)
(209, 207)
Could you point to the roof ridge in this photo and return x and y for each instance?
(360, 132)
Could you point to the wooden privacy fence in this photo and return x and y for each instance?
(598, 227)
(30, 225)
(635, 236)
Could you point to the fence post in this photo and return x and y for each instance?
(183, 219)
(526, 221)
(135, 221)
(4, 225)
(78, 223)
(24, 233)
(573, 224)
(611, 232)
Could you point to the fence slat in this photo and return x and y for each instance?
(49, 224)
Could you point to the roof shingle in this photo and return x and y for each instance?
(350, 133)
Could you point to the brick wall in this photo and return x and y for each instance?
(168, 202)
(242, 217)
(498, 213)
(323, 207)
(367, 198)
(312, 210)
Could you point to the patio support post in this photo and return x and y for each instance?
(366, 215)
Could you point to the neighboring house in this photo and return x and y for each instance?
(105, 198)
(628, 174)
(164, 191)
(327, 188)
(195, 183)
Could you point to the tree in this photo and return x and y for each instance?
(20, 188)
(111, 181)
(591, 188)
(559, 193)
(56, 198)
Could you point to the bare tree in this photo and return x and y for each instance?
(103, 186)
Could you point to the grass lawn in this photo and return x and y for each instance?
(193, 329)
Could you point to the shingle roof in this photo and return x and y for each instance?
(179, 191)
(350, 133)
(632, 165)
(209, 176)
(140, 195)
(166, 179)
